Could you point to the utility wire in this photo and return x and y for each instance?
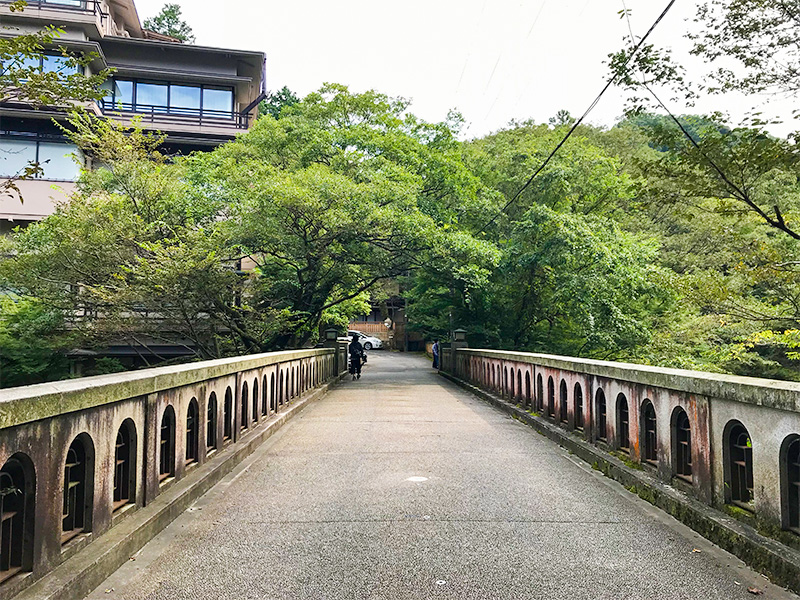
(608, 84)
(778, 222)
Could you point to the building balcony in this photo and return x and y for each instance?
(168, 118)
(90, 15)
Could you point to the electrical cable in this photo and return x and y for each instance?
(577, 123)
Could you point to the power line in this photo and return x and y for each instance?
(608, 84)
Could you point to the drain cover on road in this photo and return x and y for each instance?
(417, 479)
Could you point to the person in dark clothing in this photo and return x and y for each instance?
(435, 352)
(356, 357)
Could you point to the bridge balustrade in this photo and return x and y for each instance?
(79, 455)
(724, 439)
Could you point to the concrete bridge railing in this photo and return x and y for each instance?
(726, 440)
(80, 456)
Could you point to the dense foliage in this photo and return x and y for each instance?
(670, 241)
(169, 21)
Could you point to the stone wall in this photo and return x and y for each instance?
(80, 456)
(727, 440)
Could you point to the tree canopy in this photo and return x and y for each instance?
(169, 21)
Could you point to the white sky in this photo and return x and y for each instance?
(493, 60)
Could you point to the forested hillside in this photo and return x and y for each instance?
(666, 240)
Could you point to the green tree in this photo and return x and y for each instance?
(275, 102)
(170, 22)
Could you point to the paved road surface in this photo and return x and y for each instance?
(329, 509)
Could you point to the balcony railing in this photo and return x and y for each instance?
(170, 115)
(94, 7)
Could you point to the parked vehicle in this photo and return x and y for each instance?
(367, 341)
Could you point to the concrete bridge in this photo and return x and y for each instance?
(404, 484)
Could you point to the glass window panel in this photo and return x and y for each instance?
(151, 94)
(108, 89)
(123, 92)
(217, 100)
(60, 163)
(15, 155)
(55, 64)
(30, 62)
(74, 3)
(184, 96)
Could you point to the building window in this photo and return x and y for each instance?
(125, 465)
(211, 422)
(192, 432)
(17, 499)
(682, 442)
(78, 482)
(163, 97)
(50, 63)
(577, 395)
(623, 423)
(790, 482)
(650, 432)
(53, 156)
(739, 467)
(562, 402)
(602, 415)
(227, 416)
(166, 448)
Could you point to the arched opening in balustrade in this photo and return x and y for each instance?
(166, 445)
(562, 402)
(494, 377)
(192, 432)
(211, 423)
(577, 398)
(124, 466)
(273, 396)
(601, 415)
(76, 514)
(512, 388)
(227, 416)
(264, 398)
(648, 426)
(551, 398)
(288, 391)
(243, 404)
(292, 387)
(280, 387)
(17, 512)
(255, 400)
(738, 465)
(623, 424)
(539, 393)
(790, 482)
(681, 445)
(528, 388)
(519, 384)
(504, 391)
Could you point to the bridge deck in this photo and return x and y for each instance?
(327, 509)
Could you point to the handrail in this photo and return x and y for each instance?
(85, 6)
(166, 114)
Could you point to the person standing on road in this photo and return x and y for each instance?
(356, 355)
(435, 351)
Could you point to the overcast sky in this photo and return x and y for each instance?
(493, 60)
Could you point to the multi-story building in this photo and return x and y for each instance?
(200, 97)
